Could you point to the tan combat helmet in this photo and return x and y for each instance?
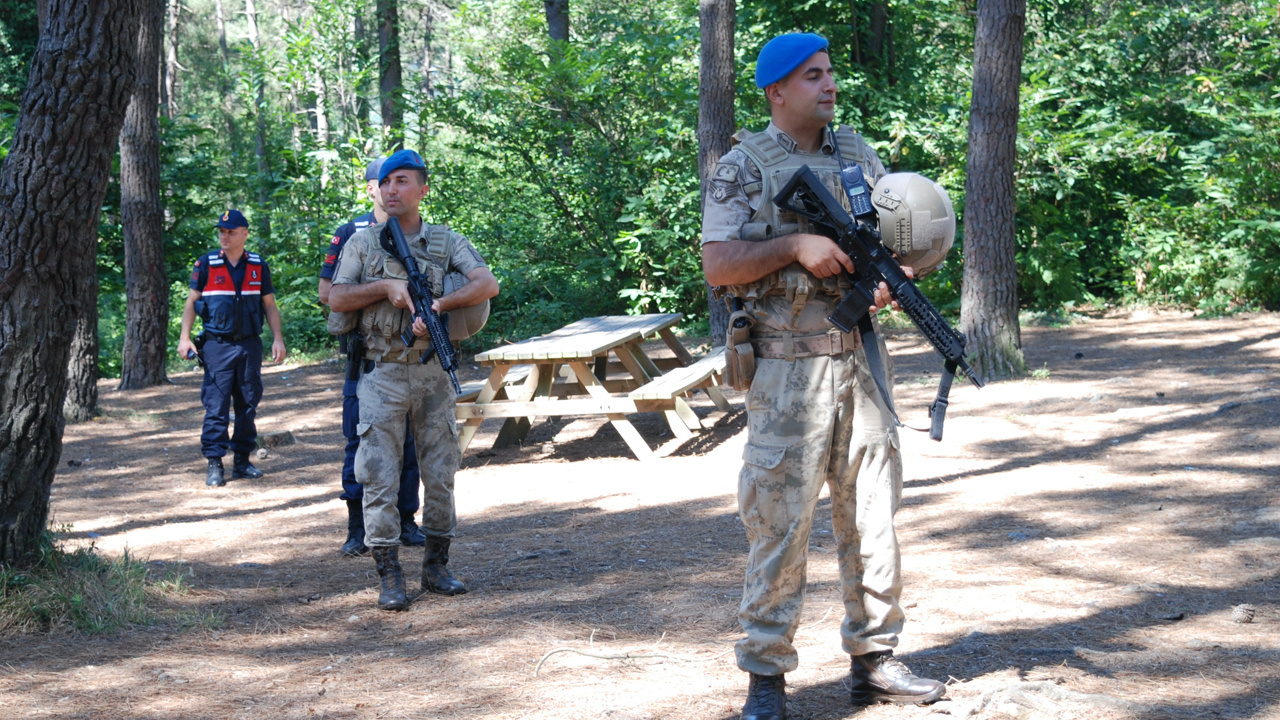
(917, 221)
(467, 321)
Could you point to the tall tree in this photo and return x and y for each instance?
(169, 90)
(716, 77)
(260, 123)
(989, 293)
(557, 12)
(389, 73)
(81, 403)
(51, 188)
(146, 336)
(224, 77)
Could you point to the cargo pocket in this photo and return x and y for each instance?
(769, 497)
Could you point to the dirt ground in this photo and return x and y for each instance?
(1074, 548)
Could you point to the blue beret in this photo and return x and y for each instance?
(232, 219)
(371, 170)
(399, 160)
(783, 54)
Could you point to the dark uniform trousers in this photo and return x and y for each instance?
(232, 377)
(407, 499)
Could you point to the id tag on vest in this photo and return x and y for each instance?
(855, 186)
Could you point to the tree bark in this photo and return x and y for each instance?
(557, 19)
(989, 295)
(169, 91)
(146, 335)
(389, 72)
(716, 125)
(82, 369)
(260, 129)
(362, 50)
(51, 190)
(224, 79)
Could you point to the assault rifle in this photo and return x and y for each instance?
(873, 263)
(393, 241)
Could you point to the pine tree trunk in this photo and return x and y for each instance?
(390, 76)
(224, 79)
(557, 12)
(169, 91)
(260, 130)
(989, 295)
(51, 190)
(146, 335)
(715, 114)
(82, 369)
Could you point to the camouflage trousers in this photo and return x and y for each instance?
(811, 422)
(391, 395)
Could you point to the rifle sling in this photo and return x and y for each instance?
(938, 410)
(875, 364)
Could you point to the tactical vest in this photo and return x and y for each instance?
(382, 323)
(793, 300)
(226, 310)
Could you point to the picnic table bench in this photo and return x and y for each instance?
(569, 372)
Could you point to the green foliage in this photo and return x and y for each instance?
(82, 590)
(1147, 171)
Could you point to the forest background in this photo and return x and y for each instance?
(1148, 163)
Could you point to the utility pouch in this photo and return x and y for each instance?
(740, 356)
(341, 323)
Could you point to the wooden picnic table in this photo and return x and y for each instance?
(569, 372)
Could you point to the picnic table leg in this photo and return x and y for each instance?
(718, 398)
(636, 355)
(685, 414)
(620, 422)
(630, 355)
(538, 384)
(487, 393)
(676, 346)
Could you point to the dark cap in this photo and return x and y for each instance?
(371, 170)
(400, 160)
(232, 219)
(785, 53)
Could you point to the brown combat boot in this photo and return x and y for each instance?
(880, 677)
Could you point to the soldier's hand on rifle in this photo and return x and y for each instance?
(820, 255)
(398, 293)
(884, 298)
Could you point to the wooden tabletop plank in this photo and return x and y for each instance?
(583, 339)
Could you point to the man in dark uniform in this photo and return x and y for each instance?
(353, 492)
(231, 291)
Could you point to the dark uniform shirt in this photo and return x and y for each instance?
(340, 238)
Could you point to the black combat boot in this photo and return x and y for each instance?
(392, 596)
(436, 577)
(880, 677)
(766, 698)
(354, 545)
(215, 476)
(243, 469)
(410, 535)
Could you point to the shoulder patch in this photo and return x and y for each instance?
(726, 172)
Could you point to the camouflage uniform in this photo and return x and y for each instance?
(396, 388)
(814, 417)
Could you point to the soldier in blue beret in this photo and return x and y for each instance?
(396, 388)
(352, 491)
(814, 416)
(231, 291)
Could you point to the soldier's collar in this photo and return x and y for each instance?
(788, 143)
